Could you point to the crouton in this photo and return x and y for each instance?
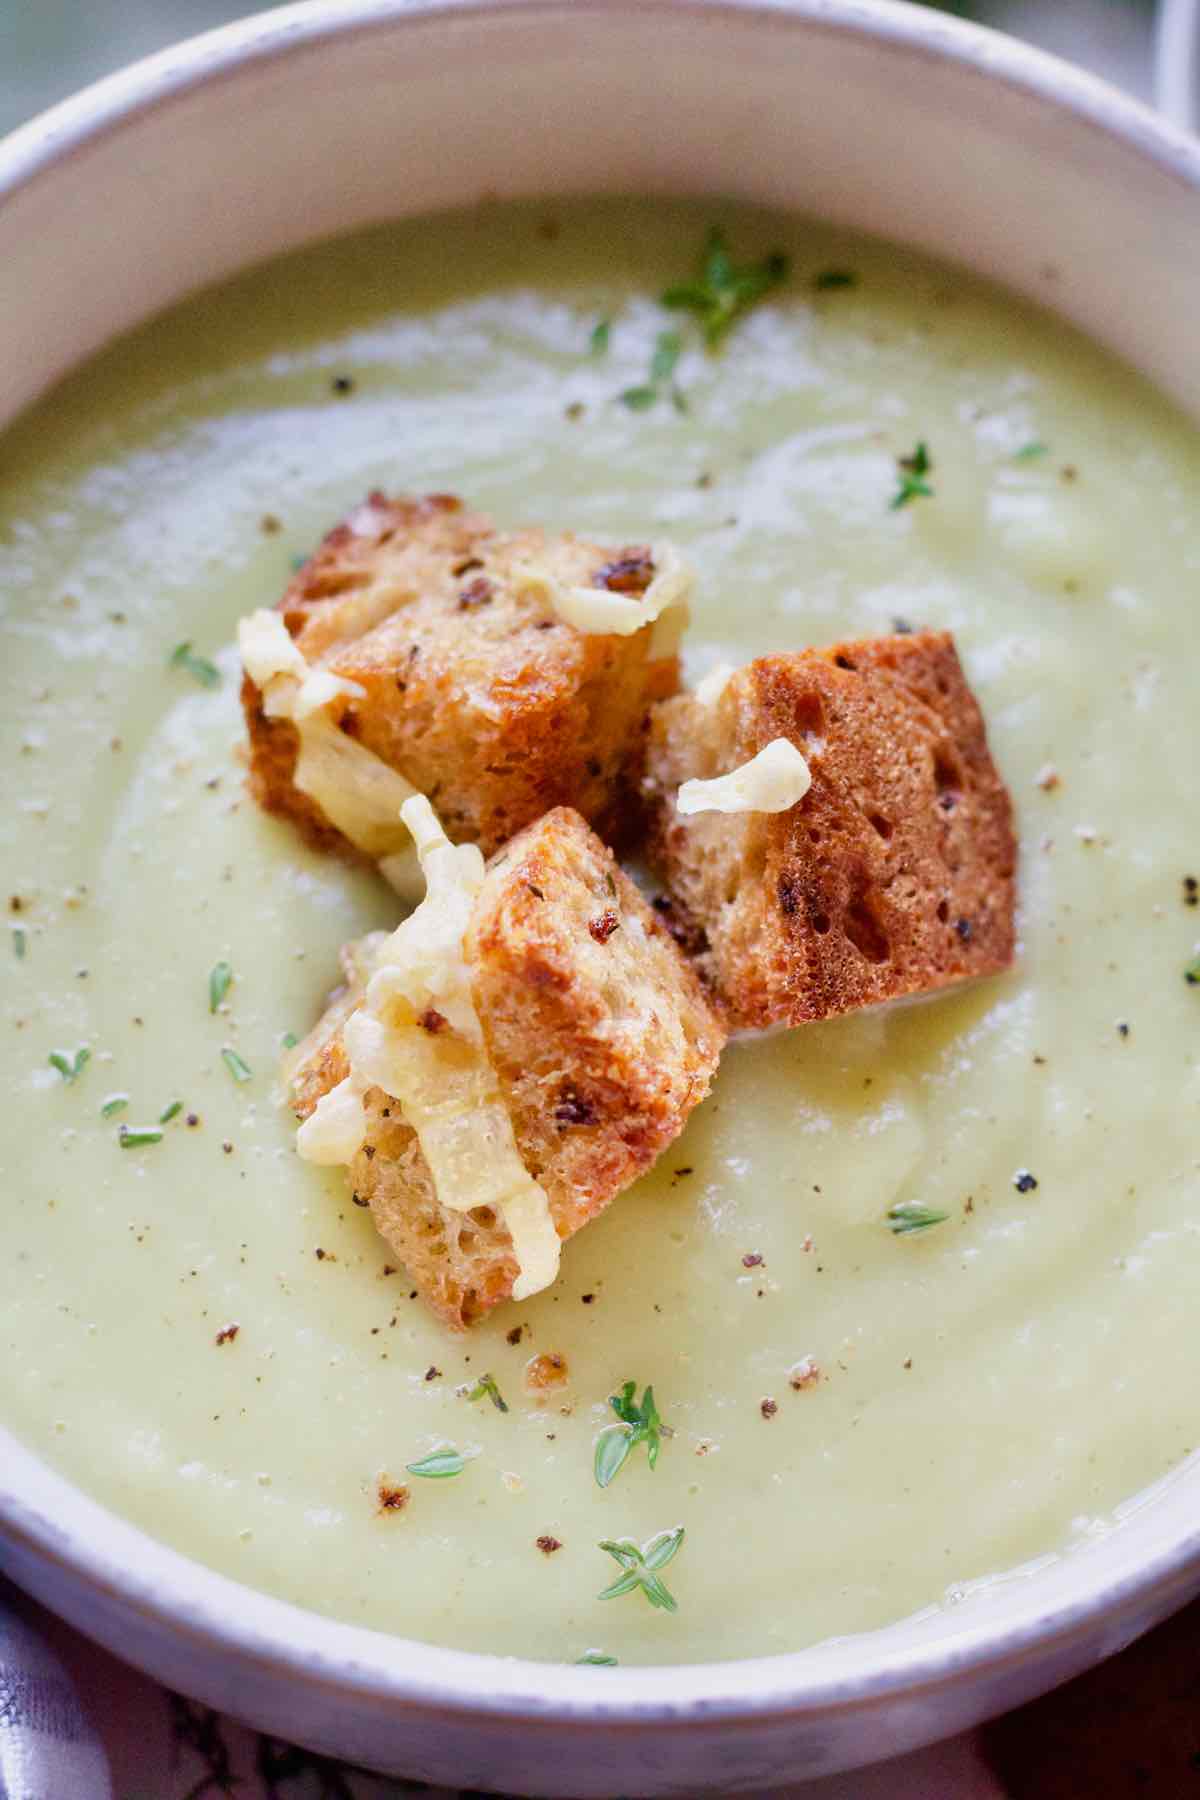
(600, 1035)
(893, 875)
(472, 686)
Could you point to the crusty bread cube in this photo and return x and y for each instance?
(894, 875)
(598, 1028)
(476, 692)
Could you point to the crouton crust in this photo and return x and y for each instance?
(599, 1030)
(476, 692)
(893, 876)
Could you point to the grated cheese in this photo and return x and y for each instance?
(598, 611)
(710, 687)
(442, 1079)
(355, 789)
(770, 782)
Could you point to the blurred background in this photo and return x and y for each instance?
(48, 48)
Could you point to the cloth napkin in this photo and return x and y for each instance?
(48, 1749)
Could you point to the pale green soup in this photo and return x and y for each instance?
(991, 1388)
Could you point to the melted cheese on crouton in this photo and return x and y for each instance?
(599, 611)
(710, 687)
(770, 782)
(417, 1036)
(356, 790)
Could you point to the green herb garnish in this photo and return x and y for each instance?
(198, 667)
(290, 1040)
(233, 1062)
(170, 1112)
(829, 279)
(913, 470)
(909, 1216)
(599, 339)
(723, 292)
(639, 399)
(219, 983)
(114, 1104)
(1192, 973)
(640, 1564)
(130, 1137)
(20, 941)
(70, 1068)
(596, 1659)
(487, 1385)
(1031, 451)
(297, 563)
(668, 348)
(439, 1465)
(640, 1424)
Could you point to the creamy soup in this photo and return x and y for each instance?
(862, 1422)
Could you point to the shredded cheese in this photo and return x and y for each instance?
(441, 1078)
(770, 782)
(601, 612)
(356, 790)
(710, 687)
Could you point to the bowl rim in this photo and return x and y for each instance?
(1177, 62)
(51, 1521)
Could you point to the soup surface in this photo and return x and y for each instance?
(989, 1389)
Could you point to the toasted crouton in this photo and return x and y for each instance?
(475, 691)
(892, 876)
(601, 1036)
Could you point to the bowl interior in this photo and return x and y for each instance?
(880, 117)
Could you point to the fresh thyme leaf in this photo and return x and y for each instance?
(1192, 973)
(826, 280)
(439, 1465)
(628, 1583)
(639, 399)
(596, 1659)
(198, 667)
(640, 1564)
(170, 1112)
(298, 563)
(131, 1137)
(220, 981)
(612, 1447)
(640, 1424)
(909, 1215)
(657, 1553)
(290, 1040)
(668, 348)
(912, 471)
(70, 1067)
(114, 1104)
(1031, 451)
(724, 291)
(20, 940)
(658, 1593)
(233, 1062)
(487, 1385)
(599, 340)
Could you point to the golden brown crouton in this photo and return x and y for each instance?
(895, 873)
(476, 692)
(599, 1031)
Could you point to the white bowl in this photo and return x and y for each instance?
(326, 115)
(1177, 61)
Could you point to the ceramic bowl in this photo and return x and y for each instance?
(1177, 61)
(324, 116)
